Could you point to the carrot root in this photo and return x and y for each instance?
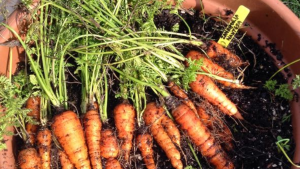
(92, 126)
(44, 139)
(29, 158)
(145, 144)
(69, 133)
(65, 161)
(124, 115)
(108, 146)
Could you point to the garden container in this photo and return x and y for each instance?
(270, 20)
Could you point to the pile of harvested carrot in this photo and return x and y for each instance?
(85, 143)
(153, 109)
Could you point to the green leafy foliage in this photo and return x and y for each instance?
(271, 85)
(284, 92)
(285, 145)
(296, 82)
(281, 90)
(12, 112)
(190, 73)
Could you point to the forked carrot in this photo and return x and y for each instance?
(179, 93)
(69, 133)
(201, 137)
(153, 117)
(29, 159)
(44, 139)
(210, 67)
(92, 127)
(145, 145)
(112, 163)
(64, 160)
(33, 103)
(206, 88)
(124, 115)
(218, 52)
(109, 146)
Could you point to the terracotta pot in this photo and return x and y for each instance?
(269, 18)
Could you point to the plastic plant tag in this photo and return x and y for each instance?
(234, 25)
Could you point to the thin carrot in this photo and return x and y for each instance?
(145, 144)
(112, 163)
(92, 127)
(179, 93)
(215, 69)
(218, 52)
(65, 161)
(124, 115)
(153, 117)
(206, 88)
(33, 103)
(223, 132)
(201, 137)
(69, 133)
(171, 129)
(44, 139)
(29, 159)
(109, 146)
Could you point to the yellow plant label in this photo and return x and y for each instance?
(234, 25)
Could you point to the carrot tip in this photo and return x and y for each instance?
(238, 116)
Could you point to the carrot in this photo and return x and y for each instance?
(109, 146)
(224, 133)
(206, 88)
(171, 129)
(33, 103)
(29, 159)
(92, 127)
(153, 117)
(215, 69)
(112, 163)
(69, 133)
(218, 52)
(44, 138)
(65, 161)
(124, 115)
(145, 144)
(179, 93)
(201, 137)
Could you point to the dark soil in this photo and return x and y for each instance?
(265, 115)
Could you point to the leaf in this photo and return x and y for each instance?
(296, 82)
(270, 85)
(284, 92)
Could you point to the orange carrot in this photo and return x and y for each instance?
(109, 146)
(44, 139)
(153, 117)
(201, 137)
(112, 163)
(206, 88)
(215, 69)
(33, 103)
(179, 93)
(218, 52)
(224, 133)
(92, 127)
(69, 133)
(65, 161)
(29, 159)
(171, 129)
(124, 115)
(145, 144)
